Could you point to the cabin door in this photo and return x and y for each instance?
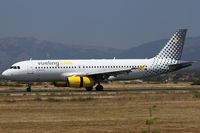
(30, 67)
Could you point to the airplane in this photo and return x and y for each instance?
(88, 73)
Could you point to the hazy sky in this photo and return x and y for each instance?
(113, 23)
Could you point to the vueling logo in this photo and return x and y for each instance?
(175, 41)
(65, 63)
(55, 63)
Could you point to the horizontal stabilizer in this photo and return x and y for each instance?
(181, 65)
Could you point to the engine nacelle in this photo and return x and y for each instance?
(76, 81)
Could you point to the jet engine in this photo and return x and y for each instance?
(76, 81)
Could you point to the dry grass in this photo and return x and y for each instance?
(99, 113)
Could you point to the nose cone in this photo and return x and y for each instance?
(5, 74)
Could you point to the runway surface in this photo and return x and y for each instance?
(99, 92)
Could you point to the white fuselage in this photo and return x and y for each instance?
(59, 70)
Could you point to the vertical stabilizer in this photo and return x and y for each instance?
(173, 49)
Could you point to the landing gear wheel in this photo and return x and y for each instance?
(89, 88)
(99, 88)
(28, 89)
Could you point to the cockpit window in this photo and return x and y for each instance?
(15, 67)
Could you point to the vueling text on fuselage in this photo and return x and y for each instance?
(42, 63)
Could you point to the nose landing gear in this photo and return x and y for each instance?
(28, 89)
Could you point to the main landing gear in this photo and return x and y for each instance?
(28, 89)
(98, 88)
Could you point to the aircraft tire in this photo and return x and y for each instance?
(28, 89)
(99, 88)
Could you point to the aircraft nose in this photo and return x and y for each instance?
(5, 74)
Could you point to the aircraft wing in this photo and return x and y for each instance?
(115, 72)
(105, 74)
(99, 73)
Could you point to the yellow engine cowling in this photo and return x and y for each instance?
(76, 81)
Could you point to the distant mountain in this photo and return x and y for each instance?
(14, 49)
(191, 51)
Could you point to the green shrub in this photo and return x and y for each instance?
(196, 95)
(149, 121)
(196, 82)
(11, 84)
(37, 99)
(12, 89)
(17, 85)
(82, 99)
(46, 86)
(155, 131)
(9, 101)
(50, 99)
(52, 94)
